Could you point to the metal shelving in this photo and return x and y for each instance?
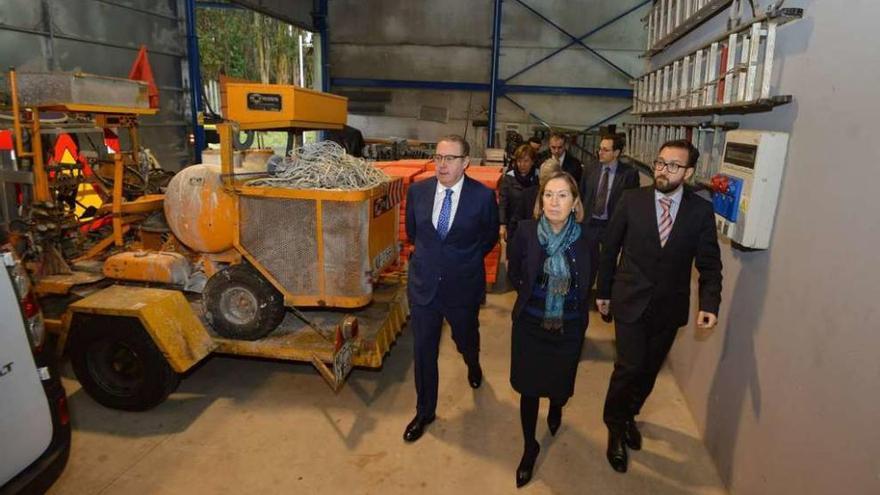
(730, 74)
(670, 20)
(644, 139)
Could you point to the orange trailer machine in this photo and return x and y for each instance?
(254, 253)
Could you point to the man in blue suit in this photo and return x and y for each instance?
(453, 222)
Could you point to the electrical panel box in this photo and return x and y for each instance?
(746, 189)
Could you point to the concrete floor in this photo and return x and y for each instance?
(254, 426)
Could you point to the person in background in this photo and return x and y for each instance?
(549, 266)
(559, 150)
(659, 234)
(512, 190)
(535, 143)
(601, 188)
(530, 196)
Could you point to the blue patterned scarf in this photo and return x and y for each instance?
(556, 271)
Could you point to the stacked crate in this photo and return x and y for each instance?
(489, 176)
(407, 170)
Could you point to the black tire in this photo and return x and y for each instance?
(240, 304)
(118, 364)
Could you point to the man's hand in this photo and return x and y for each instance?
(604, 306)
(502, 232)
(706, 320)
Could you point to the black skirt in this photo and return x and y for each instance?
(544, 363)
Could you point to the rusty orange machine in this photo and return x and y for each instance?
(239, 261)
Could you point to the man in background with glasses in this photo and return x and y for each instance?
(453, 222)
(601, 189)
(558, 148)
(659, 232)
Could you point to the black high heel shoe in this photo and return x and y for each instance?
(554, 419)
(527, 465)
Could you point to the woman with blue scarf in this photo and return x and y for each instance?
(549, 266)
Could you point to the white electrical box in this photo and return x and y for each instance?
(746, 189)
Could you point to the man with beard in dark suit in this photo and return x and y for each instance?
(659, 234)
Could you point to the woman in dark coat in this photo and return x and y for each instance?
(549, 266)
(514, 184)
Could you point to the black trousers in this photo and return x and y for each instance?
(426, 322)
(596, 236)
(642, 347)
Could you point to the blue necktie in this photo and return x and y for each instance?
(445, 213)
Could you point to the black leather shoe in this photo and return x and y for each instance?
(416, 428)
(475, 376)
(632, 436)
(616, 452)
(527, 465)
(554, 419)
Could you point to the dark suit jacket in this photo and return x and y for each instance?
(648, 274)
(573, 166)
(451, 269)
(511, 195)
(626, 177)
(526, 208)
(525, 264)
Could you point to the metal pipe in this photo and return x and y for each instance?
(579, 42)
(493, 83)
(16, 116)
(606, 119)
(568, 90)
(219, 5)
(195, 79)
(585, 36)
(526, 110)
(469, 86)
(403, 84)
(319, 18)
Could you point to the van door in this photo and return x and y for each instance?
(25, 418)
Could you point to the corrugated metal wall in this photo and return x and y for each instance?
(296, 12)
(103, 37)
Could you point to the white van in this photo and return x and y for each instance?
(34, 423)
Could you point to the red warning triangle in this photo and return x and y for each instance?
(111, 141)
(65, 150)
(141, 71)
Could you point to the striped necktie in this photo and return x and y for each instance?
(600, 202)
(665, 225)
(445, 213)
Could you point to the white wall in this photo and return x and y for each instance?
(786, 390)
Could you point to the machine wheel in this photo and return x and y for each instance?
(241, 304)
(119, 365)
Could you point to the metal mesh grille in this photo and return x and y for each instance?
(280, 233)
(346, 248)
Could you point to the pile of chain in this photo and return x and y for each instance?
(322, 165)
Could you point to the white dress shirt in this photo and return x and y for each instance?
(439, 194)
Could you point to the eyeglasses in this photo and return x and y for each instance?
(671, 167)
(446, 158)
(549, 195)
